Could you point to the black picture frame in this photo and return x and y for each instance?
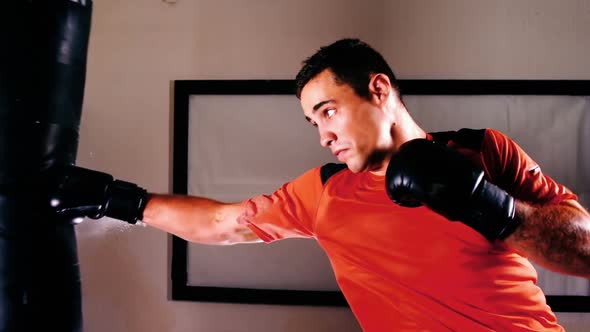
(183, 89)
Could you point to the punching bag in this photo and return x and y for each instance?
(41, 91)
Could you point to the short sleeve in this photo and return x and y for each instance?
(510, 168)
(289, 212)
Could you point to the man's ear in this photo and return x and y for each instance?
(379, 88)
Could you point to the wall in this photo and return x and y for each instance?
(138, 47)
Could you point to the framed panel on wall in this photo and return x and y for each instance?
(235, 139)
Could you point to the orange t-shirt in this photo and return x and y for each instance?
(410, 269)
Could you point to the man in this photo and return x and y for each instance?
(449, 256)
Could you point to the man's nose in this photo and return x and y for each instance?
(327, 138)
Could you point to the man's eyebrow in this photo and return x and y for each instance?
(320, 104)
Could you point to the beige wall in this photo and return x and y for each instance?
(138, 47)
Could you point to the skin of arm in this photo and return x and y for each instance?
(556, 236)
(198, 219)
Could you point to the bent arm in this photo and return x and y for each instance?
(197, 219)
(556, 237)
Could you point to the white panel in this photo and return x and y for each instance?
(270, 143)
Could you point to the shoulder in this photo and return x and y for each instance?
(487, 141)
(500, 149)
(465, 138)
(308, 185)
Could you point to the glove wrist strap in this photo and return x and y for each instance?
(127, 201)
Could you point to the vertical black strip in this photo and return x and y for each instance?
(180, 153)
(180, 184)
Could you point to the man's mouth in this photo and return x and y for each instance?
(340, 153)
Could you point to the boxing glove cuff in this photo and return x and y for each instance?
(492, 212)
(127, 201)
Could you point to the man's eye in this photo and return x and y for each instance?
(329, 112)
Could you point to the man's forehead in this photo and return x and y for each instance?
(313, 102)
(318, 89)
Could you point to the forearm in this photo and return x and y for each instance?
(196, 219)
(556, 237)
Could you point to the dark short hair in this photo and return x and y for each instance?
(351, 60)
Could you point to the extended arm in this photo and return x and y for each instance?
(556, 237)
(75, 192)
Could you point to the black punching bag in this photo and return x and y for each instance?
(43, 75)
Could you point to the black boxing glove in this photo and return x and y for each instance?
(430, 173)
(74, 192)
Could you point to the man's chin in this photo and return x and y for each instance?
(356, 168)
(359, 166)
